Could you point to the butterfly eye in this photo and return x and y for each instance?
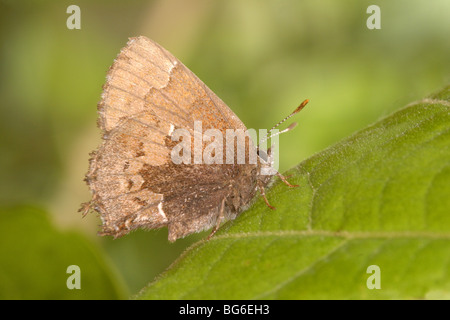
(263, 155)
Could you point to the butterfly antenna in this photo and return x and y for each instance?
(292, 126)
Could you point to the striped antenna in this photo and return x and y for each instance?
(292, 126)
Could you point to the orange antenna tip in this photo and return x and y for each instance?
(292, 126)
(301, 106)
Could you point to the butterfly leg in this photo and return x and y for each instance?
(218, 221)
(85, 208)
(283, 178)
(263, 194)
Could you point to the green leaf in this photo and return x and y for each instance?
(380, 197)
(35, 257)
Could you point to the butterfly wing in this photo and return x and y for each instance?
(134, 183)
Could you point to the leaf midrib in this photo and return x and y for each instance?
(338, 234)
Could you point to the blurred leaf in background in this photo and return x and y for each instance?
(261, 58)
(35, 258)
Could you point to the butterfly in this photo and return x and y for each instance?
(148, 98)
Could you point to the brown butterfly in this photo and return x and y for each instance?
(148, 95)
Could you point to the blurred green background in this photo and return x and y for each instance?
(261, 57)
